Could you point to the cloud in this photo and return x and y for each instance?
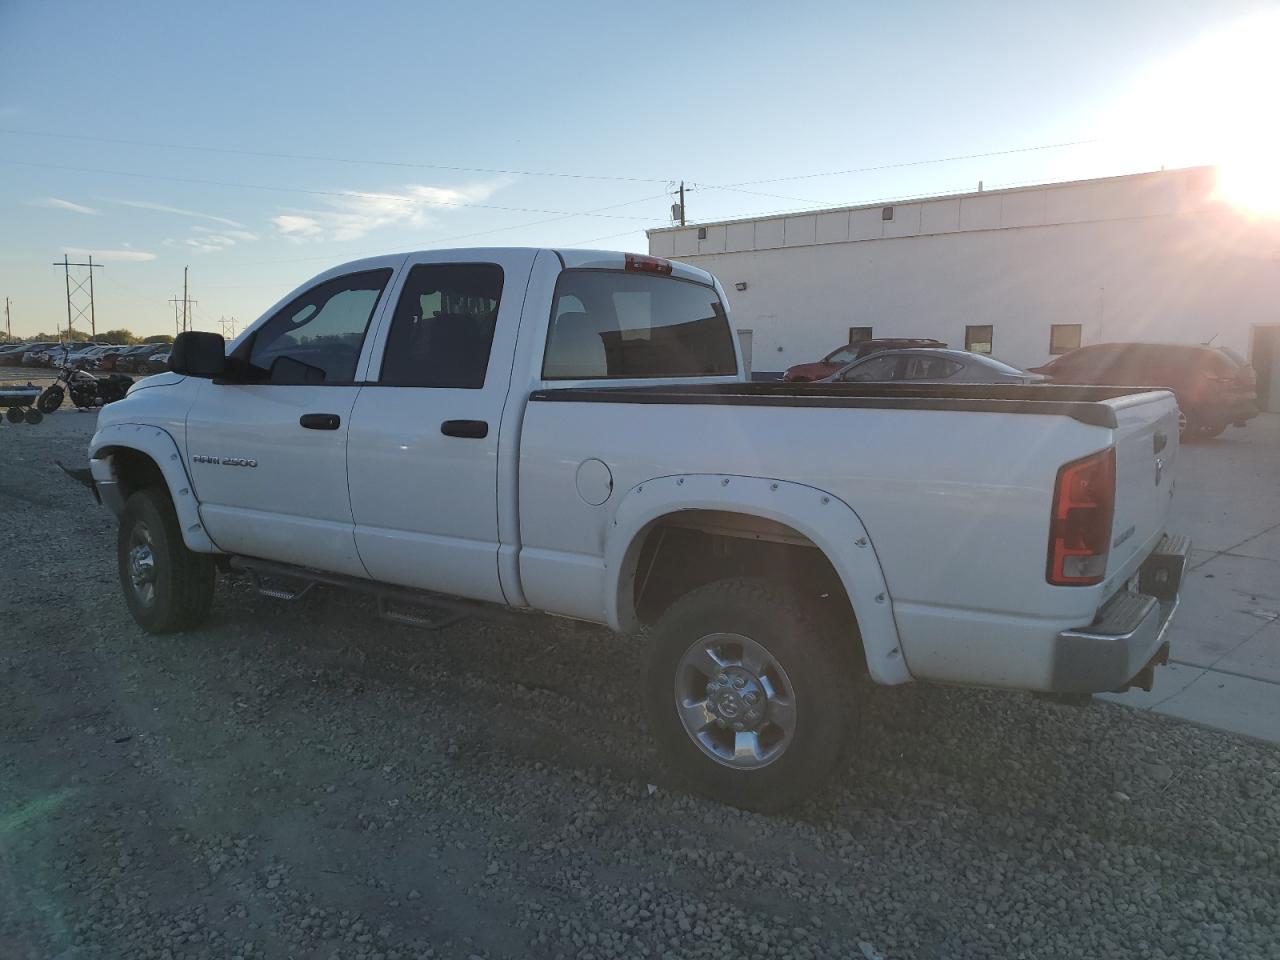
(242, 236)
(57, 203)
(209, 240)
(179, 211)
(352, 214)
(106, 256)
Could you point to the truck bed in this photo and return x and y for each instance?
(1084, 404)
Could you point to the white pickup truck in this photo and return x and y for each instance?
(572, 432)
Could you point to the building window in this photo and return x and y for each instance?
(702, 233)
(858, 334)
(1064, 337)
(977, 339)
(886, 213)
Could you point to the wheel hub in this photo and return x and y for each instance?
(142, 565)
(737, 699)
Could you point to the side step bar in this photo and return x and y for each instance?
(397, 604)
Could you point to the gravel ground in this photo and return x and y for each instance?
(300, 780)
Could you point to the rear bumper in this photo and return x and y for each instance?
(1126, 641)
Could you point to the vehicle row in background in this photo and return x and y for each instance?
(85, 355)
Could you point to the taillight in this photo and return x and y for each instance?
(636, 261)
(1084, 500)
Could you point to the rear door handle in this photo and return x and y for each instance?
(320, 421)
(469, 429)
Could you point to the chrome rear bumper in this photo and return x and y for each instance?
(1126, 641)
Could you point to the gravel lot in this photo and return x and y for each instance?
(301, 780)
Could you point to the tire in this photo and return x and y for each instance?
(32, 416)
(795, 749)
(166, 586)
(1200, 432)
(50, 400)
(14, 414)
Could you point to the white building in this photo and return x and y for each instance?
(1032, 271)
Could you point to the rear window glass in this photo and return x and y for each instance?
(611, 324)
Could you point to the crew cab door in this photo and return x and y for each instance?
(268, 450)
(423, 451)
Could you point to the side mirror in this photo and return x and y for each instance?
(198, 354)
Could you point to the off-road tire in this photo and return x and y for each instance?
(184, 580)
(821, 671)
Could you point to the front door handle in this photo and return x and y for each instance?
(320, 421)
(469, 429)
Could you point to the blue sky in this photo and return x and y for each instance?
(464, 105)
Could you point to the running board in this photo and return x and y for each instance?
(397, 604)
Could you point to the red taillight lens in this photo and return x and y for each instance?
(644, 264)
(1084, 501)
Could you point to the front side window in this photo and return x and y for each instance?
(317, 338)
(443, 327)
(872, 370)
(613, 324)
(1064, 337)
(978, 339)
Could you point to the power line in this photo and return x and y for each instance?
(906, 163)
(342, 194)
(369, 162)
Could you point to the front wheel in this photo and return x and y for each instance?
(166, 586)
(748, 698)
(50, 400)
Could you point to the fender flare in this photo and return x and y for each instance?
(830, 523)
(160, 446)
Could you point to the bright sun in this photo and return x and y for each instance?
(1215, 102)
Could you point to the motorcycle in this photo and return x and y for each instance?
(87, 391)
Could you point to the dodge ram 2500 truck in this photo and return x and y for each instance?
(571, 432)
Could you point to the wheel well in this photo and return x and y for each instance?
(134, 471)
(683, 551)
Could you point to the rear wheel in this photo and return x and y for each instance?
(748, 698)
(1194, 432)
(166, 586)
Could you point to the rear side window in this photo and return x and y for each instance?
(611, 324)
(443, 327)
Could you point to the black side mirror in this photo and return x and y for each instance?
(198, 354)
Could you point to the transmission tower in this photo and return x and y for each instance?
(228, 328)
(80, 298)
(182, 308)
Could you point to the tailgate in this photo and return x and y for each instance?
(1146, 442)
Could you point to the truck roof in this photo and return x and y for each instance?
(571, 257)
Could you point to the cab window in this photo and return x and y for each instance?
(317, 338)
(442, 332)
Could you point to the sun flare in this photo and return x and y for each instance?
(1214, 103)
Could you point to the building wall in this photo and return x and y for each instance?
(1136, 258)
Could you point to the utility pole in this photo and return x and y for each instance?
(8, 324)
(682, 203)
(81, 309)
(182, 317)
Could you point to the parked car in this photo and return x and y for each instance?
(833, 361)
(1215, 386)
(156, 363)
(931, 366)
(122, 358)
(34, 356)
(585, 443)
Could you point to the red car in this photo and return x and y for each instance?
(842, 356)
(1215, 386)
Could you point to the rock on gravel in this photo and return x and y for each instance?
(305, 781)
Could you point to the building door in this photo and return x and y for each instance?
(1266, 364)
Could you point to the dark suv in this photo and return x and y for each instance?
(1214, 385)
(842, 356)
